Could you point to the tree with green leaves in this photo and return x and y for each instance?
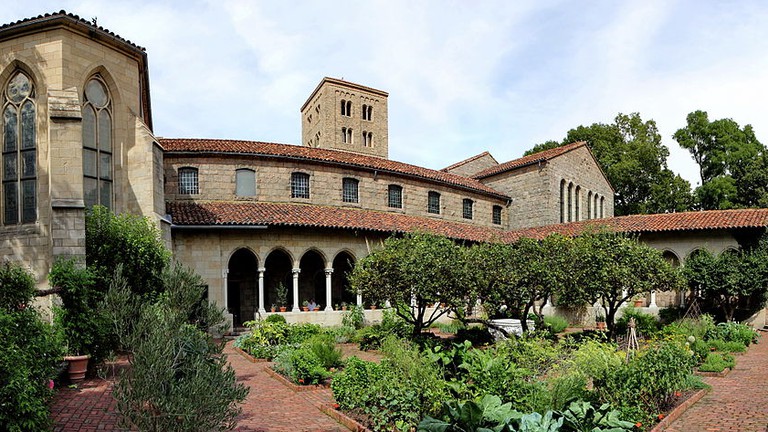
(413, 273)
(612, 268)
(731, 279)
(732, 162)
(631, 154)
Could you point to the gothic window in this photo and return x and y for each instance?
(188, 184)
(594, 207)
(299, 185)
(602, 206)
(349, 190)
(97, 144)
(589, 205)
(570, 202)
(467, 205)
(364, 112)
(395, 196)
(497, 215)
(562, 201)
(245, 182)
(433, 202)
(19, 151)
(577, 205)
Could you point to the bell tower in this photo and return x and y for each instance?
(341, 115)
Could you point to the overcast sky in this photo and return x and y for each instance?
(463, 76)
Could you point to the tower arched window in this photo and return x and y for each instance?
(19, 151)
(97, 144)
(343, 107)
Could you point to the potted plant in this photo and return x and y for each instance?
(281, 292)
(273, 308)
(77, 365)
(318, 307)
(600, 322)
(373, 306)
(336, 307)
(305, 306)
(343, 306)
(638, 301)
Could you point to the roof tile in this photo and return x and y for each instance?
(256, 148)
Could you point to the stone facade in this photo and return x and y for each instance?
(323, 120)
(473, 165)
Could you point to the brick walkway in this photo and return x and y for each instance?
(737, 402)
(270, 406)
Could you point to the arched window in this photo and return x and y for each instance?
(370, 113)
(188, 183)
(578, 204)
(594, 207)
(370, 139)
(343, 107)
(467, 208)
(602, 206)
(349, 190)
(562, 201)
(344, 135)
(395, 196)
(433, 202)
(245, 182)
(97, 144)
(19, 151)
(570, 202)
(589, 205)
(299, 185)
(349, 108)
(496, 217)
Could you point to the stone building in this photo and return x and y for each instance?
(253, 217)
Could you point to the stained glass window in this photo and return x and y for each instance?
(19, 173)
(97, 144)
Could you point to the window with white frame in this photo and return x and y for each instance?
(188, 182)
(299, 185)
(433, 202)
(349, 190)
(395, 196)
(467, 208)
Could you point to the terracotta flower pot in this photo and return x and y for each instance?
(77, 366)
(305, 308)
(639, 303)
(600, 325)
(282, 308)
(373, 307)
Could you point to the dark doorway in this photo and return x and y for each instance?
(277, 272)
(312, 278)
(342, 266)
(242, 286)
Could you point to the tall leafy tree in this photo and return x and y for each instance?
(631, 154)
(413, 273)
(732, 162)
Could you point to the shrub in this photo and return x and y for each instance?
(733, 346)
(486, 413)
(86, 328)
(342, 334)
(354, 317)
(597, 360)
(298, 333)
(275, 318)
(324, 348)
(301, 365)
(647, 324)
(29, 355)
(732, 332)
(556, 324)
(582, 416)
(717, 362)
(349, 386)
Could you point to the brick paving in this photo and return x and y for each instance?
(270, 406)
(737, 402)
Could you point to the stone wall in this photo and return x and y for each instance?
(580, 168)
(473, 165)
(216, 177)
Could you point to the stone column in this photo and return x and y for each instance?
(328, 298)
(224, 274)
(653, 300)
(296, 272)
(360, 300)
(262, 309)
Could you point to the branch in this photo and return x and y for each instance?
(47, 292)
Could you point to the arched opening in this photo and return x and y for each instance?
(312, 278)
(277, 274)
(671, 258)
(342, 266)
(242, 286)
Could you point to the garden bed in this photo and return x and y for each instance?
(685, 401)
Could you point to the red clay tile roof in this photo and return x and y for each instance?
(262, 149)
(528, 160)
(468, 160)
(222, 213)
(63, 15)
(686, 221)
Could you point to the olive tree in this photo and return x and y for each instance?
(413, 273)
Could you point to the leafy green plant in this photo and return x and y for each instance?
(274, 318)
(298, 333)
(732, 346)
(556, 324)
(29, 355)
(647, 324)
(353, 317)
(732, 332)
(717, 362)
(281, 294)
(483, 414)
(301, 365)
(324, 348)
(582, 416)
(535, 422)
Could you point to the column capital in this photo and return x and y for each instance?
(328, 271)
(224, 272)
(296, 270)
(262, 269)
